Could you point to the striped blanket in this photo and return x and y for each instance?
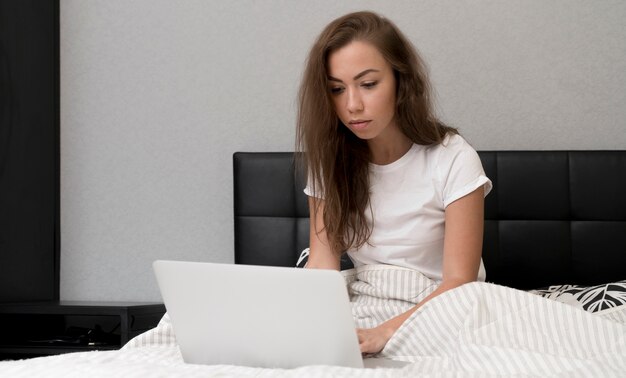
(478, 329)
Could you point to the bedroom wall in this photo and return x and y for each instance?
(157, 95)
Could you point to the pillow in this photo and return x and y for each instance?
(303, 259)
(589, 298)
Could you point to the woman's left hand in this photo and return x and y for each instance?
(373, 340)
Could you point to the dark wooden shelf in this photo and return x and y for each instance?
(78, 307)
(28, 328)
(50, 350)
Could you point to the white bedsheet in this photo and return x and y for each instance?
(478, 329)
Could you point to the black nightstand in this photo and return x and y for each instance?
(33, 329)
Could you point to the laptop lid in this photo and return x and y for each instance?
(259, 316)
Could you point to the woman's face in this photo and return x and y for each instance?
(363, 89)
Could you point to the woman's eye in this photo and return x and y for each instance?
(336, 90)
(369, 84)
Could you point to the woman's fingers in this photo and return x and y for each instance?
(371, 341)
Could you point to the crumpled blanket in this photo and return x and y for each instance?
(477, 328)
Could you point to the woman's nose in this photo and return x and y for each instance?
(355, 103)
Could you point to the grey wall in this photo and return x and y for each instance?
(157, 95)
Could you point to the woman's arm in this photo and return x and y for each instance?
(464, 223)
(321, 255)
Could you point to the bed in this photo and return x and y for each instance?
(554, 302)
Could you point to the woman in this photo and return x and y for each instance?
(388, 182)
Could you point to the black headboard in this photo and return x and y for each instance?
(553, 217)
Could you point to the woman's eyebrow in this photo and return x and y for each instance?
(357, 77)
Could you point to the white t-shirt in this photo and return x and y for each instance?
(408, 199)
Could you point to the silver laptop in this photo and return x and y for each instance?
(259, 316)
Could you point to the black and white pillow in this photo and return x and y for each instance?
(303, 259)
(590, 298)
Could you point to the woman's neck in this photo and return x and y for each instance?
(390, 148)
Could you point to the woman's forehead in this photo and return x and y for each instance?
(354, 58)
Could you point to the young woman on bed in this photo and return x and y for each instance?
(388, 182)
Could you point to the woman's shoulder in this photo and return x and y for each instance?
(452, 141)
(451, 144)
(454, 150)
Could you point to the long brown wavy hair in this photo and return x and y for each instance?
(337, 160)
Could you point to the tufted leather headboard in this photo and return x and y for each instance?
(553, 217)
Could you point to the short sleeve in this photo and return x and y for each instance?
(460, 170)
(309, 190)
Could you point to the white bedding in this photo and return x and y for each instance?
(478, 329)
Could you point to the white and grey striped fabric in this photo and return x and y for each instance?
(485, 328)
(478, 329)
(161, 335)
(380, 292)
(617, 314)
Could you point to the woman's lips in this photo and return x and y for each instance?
(359, 124)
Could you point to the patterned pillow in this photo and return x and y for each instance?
(589, 298)
(303, 259)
